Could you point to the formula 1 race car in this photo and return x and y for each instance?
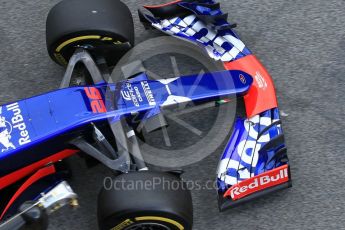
(37, 134)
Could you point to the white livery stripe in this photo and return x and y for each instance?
(234, 52)
(227, 57)
(235, 42)
(190, 32)
(189, 19)
(172, 100)
(211, 35)
(199, 26)
(230, 180)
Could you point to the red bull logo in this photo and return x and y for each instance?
(266, 180)
(13, 130)
(19, 124)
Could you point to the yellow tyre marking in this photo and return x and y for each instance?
(173, 222)
(60, 58)
(107, 39)
(124, 224)
(60, 47)
(118, 42)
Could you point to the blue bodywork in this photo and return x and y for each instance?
(37, 127)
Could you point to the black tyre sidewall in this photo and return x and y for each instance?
(116, 206)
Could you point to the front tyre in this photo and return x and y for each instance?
(145, 200)
(103, 27)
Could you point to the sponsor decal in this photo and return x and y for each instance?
(243, 79)
(96, 100)
(263, 181)
(19, 124)
(148, 93)
(261, 81)
(132, 94)
(7, 128)
(126, 96)
(138, 94)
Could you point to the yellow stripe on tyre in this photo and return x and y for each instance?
(72, 40)
(123, 225)
(163, 219)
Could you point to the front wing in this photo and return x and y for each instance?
(255, 160)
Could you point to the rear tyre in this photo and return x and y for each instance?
(145, 200)
(104, 27)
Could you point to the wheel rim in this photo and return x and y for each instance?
(148, 226)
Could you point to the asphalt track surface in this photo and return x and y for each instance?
(302, 44)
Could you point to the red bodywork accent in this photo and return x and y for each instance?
(162, 5)
(260, 182)
(34, 178)
(261, 96)
(28, 170)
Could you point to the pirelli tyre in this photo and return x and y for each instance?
(104, 27)
(145, 200)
